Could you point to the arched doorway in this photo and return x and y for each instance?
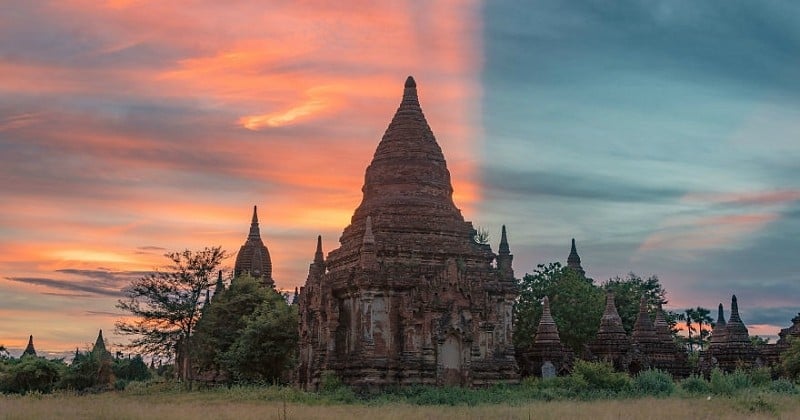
(450, 359)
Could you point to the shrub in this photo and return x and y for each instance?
(653, 382)
(31, 374)
(721, 383)
(600, 376)
(740, 379)
(783, 386)
(695, 385)
(760, 377)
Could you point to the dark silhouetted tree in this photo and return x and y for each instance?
(167, 303)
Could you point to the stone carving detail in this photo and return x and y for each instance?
(408, 297)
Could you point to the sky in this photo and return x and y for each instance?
(664, 136)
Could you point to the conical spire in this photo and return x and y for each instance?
(504, 257)
(29, 350)
(219, 286)
(408, 183)
(662, 326)
(319, 257)
(100, 346)
(253, 257)
(735, 329)
(719, 334)
(547, 331)
(255, 232)
(644, 332)
(503, 249)
(574, 261)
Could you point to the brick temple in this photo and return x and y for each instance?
(411, 295)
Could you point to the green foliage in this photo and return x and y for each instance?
(223, 320)
(695, 385)
(249, 331)
(133, 369)
(729, 383)
(790, 360)
(30, 374)
(267, 344)
(600, 376)
(82, 373)
(627, 293)
(576, 305)
(653, 382)
(783, 386)
(760, 377)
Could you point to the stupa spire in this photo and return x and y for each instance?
(735, 329)
(29, 349)
(319, 257)
(219, 287)
(719, 333)
(644, 332)
(255, 232)
(547, 330)
(503, 249)
(253, 257)
(100, 343)
(574, 261)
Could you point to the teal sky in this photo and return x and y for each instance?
(663, 135)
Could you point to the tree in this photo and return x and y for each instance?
(628, 293)
(248, 331)
(31, 373)
(267, 345)
(166, 305)
(790, 359)
(702, 316)
(224, 318)
(576, 305)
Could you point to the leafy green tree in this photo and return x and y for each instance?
(790, 360)
(31, 374)
(224, 318)
(575, 302)
(702, 316)
(132, 369)
(266, 347)
(628, 292)
(166, 305)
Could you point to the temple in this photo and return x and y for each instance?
(574, 261)
(29, 350)
(253, 257)
(409, 296)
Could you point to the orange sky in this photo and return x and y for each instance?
(164, 123)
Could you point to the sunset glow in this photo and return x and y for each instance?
(132, 128)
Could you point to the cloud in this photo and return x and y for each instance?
(68, 285)
(583, 186)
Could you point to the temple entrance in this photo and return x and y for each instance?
(450, 357)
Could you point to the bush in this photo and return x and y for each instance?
(721, 383)
(653, 382)
(760, 377)
(31, 374)
(783, 386)
(695, 385)
(600, 376)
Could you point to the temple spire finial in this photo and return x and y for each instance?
(410, 93)
(410, 82)
(255, 232)
(574, 260)
(503, 249)
(29, 349)
(319, 257)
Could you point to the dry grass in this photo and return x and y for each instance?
(198, 405)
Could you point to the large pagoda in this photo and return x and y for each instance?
(410, 296)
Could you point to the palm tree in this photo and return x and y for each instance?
(690, 317)
(700, 316)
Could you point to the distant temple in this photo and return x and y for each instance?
(29, 350)
(409, 296)
(253, 257)
(574, 261)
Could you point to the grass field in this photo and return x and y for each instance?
(255, 404)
